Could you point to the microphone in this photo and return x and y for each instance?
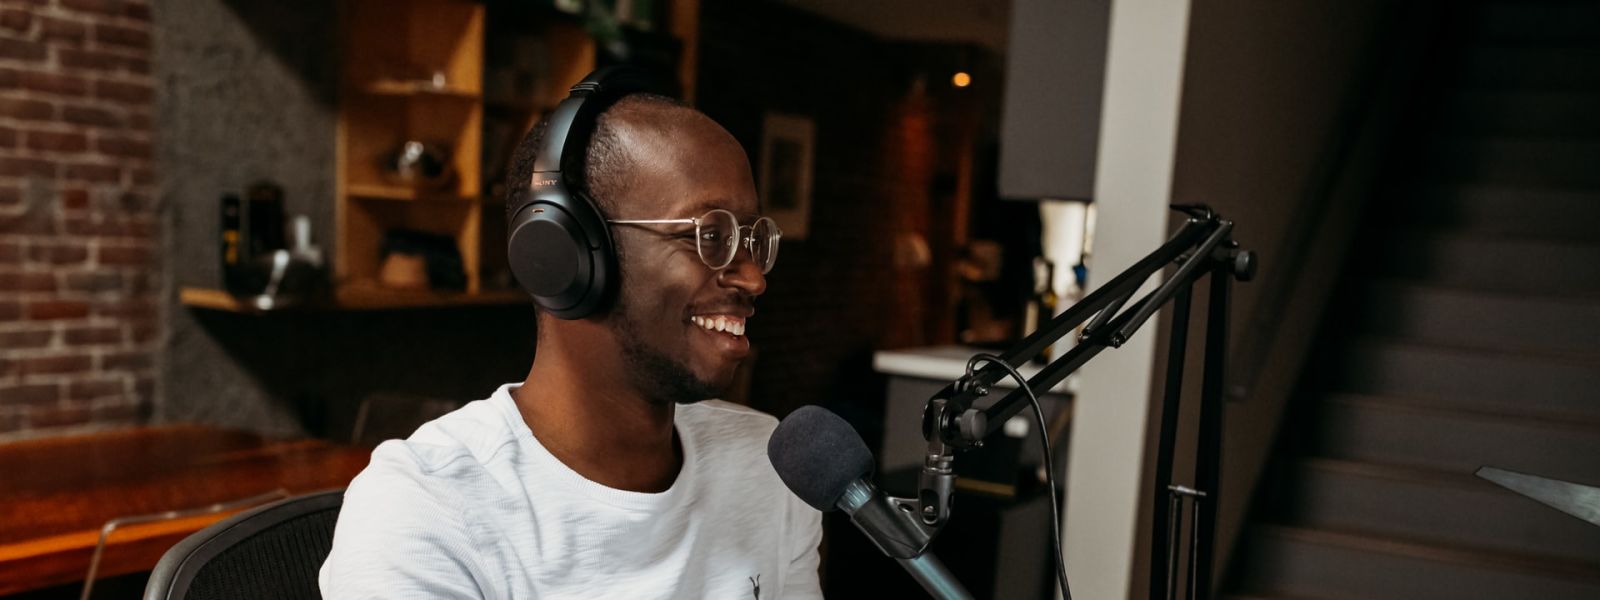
(824, 462)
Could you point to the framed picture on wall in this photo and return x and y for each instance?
(787, 144)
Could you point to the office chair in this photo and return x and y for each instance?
(274, 551)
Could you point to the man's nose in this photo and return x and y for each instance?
(743, 273)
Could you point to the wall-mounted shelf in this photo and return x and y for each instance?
(418, 88)
(378, 191)
(355, 296)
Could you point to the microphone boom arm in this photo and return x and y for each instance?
(951, 422)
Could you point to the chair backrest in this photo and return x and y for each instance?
(274, 551)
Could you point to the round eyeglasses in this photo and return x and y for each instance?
(718, 236)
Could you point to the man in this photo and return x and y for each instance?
(606, 473)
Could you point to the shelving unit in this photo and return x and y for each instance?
(416, 70)
(413, 71)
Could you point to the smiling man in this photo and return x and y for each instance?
(609, 472)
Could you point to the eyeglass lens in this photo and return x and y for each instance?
(718, 238)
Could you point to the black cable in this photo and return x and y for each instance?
(1049, 465)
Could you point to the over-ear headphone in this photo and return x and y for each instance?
(559, 247)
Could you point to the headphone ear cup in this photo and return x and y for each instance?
(561, 256)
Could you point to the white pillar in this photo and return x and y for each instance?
(1133, 183)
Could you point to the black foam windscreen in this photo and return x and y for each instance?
(818, 454)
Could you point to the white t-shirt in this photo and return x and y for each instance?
(472, 506)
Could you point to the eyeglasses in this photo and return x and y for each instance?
(718, 236)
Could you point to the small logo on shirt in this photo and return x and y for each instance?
(755, 586)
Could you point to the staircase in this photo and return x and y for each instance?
(1469, 335)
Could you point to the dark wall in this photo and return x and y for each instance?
(886, 170)
(247, 91)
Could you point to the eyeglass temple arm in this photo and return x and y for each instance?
(650, 221)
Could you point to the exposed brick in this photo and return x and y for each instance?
(62, 30)
(142, 176)
(59, 417)
(10, 196)
(60, 253)
(118, 35)
(76, 59)
(90, 389)
(121, 413)
(10, 310)
(26, 167)
(26, 339)
(27, 109)
(133, 203)
(139, 120)
(145, 387)
(75, 199)
(16, 49)
(103, 7)
(132, 93)
(27, 281)
(11, 421)
(10, 252)
(46, 310)
(50, 141)
(144, 333)
(92, 173)
(46, 394)
(125, 361)
(29, 222)
(125, 309)
(123, 255)
(94, 282)
(19, 21)
(54, 365)
(8, 137)
(83, 336)
(140, 12)
(73, 58)
(88, 115)
(122, 146)
(53, 83)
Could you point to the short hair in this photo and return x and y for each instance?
(608, 165)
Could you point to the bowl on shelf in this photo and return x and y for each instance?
(418, 164)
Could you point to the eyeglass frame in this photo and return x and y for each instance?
(748, 240)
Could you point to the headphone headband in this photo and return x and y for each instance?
(573, 121)
(558, 244)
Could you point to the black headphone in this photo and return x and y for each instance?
(559, 245)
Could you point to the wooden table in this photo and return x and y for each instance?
(56, 493)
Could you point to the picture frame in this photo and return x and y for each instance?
(787, 147)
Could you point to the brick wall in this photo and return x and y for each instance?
(79, 230)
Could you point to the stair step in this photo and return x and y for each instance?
(1552, 214)
(1417, 433)
(1471, 379)
(1422, 504)
(1521, 113)
(1545, 162)
(1475, 318)
(1521, 21)
(1339, 564)
(1527, 265)
(1570, 67)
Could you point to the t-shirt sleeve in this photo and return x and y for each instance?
(400, 534)
(806, 530)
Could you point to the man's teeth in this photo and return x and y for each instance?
(723, 324)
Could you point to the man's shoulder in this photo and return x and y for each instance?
(462, 443)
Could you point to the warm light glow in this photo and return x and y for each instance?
(961, 79)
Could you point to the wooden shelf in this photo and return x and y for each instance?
(356, 296)
(418, 88)
(380, 191)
